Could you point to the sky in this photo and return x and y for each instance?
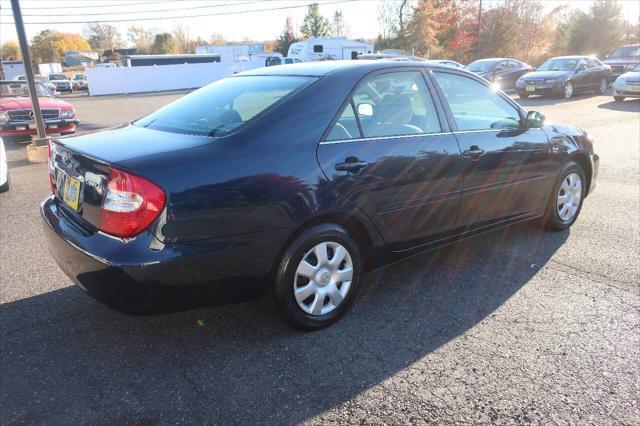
(253, 23)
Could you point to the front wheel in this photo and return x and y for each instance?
(566, 199)
(523, 95)
(567, 90)
(618, 98)
(318, 277)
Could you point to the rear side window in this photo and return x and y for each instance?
(392, 104)
(475, 106)
(318, 48)
(222, 106)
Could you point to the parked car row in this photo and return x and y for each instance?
(60, 82)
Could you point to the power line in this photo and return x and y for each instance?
(96, 5)
(181, 17)
(146, 11)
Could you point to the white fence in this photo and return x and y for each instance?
(109, 81)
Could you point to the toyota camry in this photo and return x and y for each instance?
(293, 177)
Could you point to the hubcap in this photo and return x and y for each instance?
(569, 196)
(568, 90)
(323, 278)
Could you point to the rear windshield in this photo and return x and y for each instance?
(220, 107)
(58, 77)
(481, 66)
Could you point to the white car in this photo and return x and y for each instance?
(61, 81)
(49, 85)
(4, 171)
(627, 85)
(79, 82)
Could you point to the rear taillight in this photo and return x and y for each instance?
(51, 168)
(130, 205)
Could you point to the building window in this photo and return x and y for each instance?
(317, 48)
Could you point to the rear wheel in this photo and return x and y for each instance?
(318, 277)
(566, 199)
(618, 98)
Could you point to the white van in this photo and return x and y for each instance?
(322, 48)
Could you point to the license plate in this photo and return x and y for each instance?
(71, 192)
(530, 88)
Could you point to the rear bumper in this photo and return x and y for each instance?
(144, 276)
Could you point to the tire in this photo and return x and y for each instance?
(5, 187)
(602, 87)
(567, 90)
(553, 218)
(523, 96)
(618, 98)
(326, 293)
(67, 133)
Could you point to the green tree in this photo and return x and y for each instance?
(286, 38)
(164, 43)
(314, 24)
(10, 51)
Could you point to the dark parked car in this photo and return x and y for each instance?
(504, 72)
(294, 177)
(564, 76)
(624, 59)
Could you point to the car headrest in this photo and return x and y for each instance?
(394, 109)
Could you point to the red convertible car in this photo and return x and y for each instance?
(16, 114)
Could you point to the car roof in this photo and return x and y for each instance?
(322, 68)
(574, 57)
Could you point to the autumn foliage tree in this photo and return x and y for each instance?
(10, 51)
(51, 46)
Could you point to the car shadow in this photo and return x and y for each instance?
(630, 105)
(68, 359)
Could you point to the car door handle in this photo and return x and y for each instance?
(473, 153)
(351, 166)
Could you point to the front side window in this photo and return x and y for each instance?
(220, 107)
(475, 106)
(393, 104)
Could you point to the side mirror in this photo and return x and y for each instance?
(534, 119)
(365, 110)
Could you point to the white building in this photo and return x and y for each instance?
(315, 49)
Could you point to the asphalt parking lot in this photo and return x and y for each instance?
(517, 326)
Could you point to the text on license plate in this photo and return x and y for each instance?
(71, 192)
(530, 88)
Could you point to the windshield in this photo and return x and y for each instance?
(626, 52)
(559, 64)
(12, 89)
(58, 77)
(78, 77)
(222, 106)
(481, 66)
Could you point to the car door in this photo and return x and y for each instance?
(583, 78)
(389, 151)
(597, 71)
(507, 167)
(515, 71)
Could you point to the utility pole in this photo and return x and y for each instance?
(26, 58)
(479, 26)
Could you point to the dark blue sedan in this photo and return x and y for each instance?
(292, 178)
